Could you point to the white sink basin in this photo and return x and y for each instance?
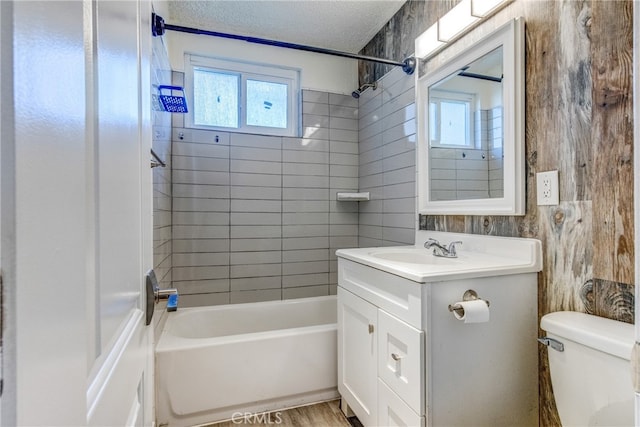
(411, 256)
(478, 256)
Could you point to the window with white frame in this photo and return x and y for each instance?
(450, 118)
(243, 97)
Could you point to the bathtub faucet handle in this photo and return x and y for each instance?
(172, 302)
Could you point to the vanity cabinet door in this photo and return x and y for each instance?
(401, 359)
(357, 355)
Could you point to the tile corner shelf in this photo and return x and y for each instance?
(352, 197)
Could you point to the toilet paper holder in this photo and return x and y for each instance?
(469, 295)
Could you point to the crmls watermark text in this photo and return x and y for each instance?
(264, 418)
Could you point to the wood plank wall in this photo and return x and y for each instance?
(578, 121)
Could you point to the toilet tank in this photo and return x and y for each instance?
(591, 378)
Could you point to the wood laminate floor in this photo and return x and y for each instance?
(326, 414)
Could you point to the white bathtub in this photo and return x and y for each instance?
(213, 363)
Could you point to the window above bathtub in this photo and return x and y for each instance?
(244, 97)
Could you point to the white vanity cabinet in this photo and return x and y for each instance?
(381, 357)
(404, 359)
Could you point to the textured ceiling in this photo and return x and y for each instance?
(334, 24)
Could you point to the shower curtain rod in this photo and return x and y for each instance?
(159, 27)
(480, 76)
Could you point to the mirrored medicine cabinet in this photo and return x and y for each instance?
(470, 114)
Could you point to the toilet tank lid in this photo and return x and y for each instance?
(607, 335)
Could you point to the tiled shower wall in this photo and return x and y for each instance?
(255, 218)
(387, 142)
(161, 142)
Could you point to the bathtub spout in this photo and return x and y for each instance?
(164, 293)
(170, 294)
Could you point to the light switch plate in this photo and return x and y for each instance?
(547, 188)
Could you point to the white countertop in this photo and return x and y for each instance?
(478, 256)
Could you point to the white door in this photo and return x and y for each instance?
(76, 213)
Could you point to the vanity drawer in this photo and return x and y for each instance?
(401, 359)
(393, 411)
(394, 294)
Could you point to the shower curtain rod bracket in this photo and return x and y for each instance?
(409, 65)
(159, 27)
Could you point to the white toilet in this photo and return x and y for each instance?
(591, 374)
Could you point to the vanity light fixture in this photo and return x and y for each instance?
(455, 23)
(482, 8)
(428, 42)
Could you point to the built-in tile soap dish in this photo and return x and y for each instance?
(352, 197)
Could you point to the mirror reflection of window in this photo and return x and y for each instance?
(450, 116)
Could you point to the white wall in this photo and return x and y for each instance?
(160, 7)
(318, 72)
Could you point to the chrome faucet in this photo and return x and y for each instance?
(440, 250)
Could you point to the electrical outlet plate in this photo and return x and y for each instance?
(547, 188)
